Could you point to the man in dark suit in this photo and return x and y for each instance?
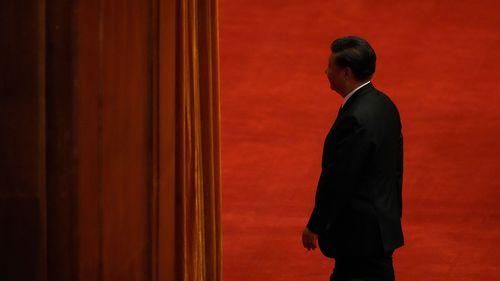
(358, 207)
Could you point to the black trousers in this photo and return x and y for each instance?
(377, 268)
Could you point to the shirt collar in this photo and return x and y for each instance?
(353, 91)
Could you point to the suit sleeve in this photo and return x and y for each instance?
(351, 151)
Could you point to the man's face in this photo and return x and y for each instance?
(335, 75)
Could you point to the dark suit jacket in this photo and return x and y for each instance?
(358, 204)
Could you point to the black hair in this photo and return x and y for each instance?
(357, 54)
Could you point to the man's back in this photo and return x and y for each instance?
(364, 175)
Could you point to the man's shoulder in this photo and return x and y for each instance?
(375, 96)
(372, 100)
(373, 108)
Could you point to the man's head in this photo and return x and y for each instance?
(351, 62)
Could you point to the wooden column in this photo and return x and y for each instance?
(85, 183)
(89, 135)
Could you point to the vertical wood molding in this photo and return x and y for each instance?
(166, 132)
(210, 116)
(153, 54)
(62, 204)
(42, 139)
(197, 141)
(100, 93)
(88, 112)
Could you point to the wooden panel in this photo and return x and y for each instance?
(100, 170)
(126, 136)
(88, 71)
(61, 157)
(22, 141)
(166, 243)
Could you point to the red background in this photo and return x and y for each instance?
(439, 62)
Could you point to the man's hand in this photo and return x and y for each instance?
(309, 239)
